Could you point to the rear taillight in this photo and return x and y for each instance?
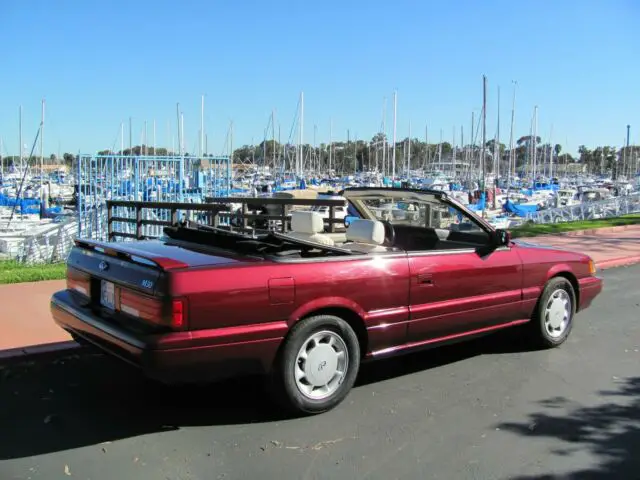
(152, 309)
(140, 306)
(177, 313)
(78, 281)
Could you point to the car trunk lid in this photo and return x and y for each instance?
(130, 281)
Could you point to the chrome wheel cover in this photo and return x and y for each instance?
(557, 313)
(321, 365)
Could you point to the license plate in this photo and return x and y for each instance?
(107, 295)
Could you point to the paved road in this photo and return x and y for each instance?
(486, 409)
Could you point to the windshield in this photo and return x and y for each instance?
(419, 210)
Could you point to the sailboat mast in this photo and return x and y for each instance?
(273, 140)
(512, 156)
(440, 152)
(426, 142)
(315, 163)
(484, 134)
(535, 142)
(544, 162)
(42, 149)
(178, 129)
(20, 133)
(453, 151)
(496, 154)
(330, 143)
(551, 152)
(182, 142)
(384, 136)
(201, 126)
(300, 159)
(409, 152)
(346, 152)
(355, 154)
(231, 141)
(463, 149)
(472, 144)
(395, 111)
(496, 149)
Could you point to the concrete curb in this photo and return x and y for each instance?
(618, 262)
(37, 352)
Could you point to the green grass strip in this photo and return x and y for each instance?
(533, 230)
(14, 272)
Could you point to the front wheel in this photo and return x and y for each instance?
(317, 365)
(553, 319)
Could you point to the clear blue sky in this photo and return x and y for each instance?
(97, 63)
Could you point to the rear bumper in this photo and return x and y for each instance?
(154, 353)
(590, 288)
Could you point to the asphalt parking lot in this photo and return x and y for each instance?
(488, 409)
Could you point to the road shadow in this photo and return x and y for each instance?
(501, 342)
(609, 432)
(86, 399)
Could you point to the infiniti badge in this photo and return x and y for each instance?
(103, 266)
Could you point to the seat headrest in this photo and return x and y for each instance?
(370, 232)
(306, 222)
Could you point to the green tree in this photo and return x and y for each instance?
(379, 138)
(557, 149)
(243, 154)
(527, 140)
(491, 146)
(68, 158)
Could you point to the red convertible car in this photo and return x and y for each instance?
(416, 269)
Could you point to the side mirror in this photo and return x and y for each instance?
(501, 238)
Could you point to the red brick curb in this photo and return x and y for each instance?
(618, 262)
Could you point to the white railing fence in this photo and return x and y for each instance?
(613, 207)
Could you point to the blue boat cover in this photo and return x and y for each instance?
(481, 205)
(519, 210)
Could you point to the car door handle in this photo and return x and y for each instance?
(425, 279)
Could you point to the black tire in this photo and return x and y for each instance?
(283, 383)
(539, 332)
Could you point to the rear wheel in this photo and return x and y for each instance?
(317, 365)
(553, 319)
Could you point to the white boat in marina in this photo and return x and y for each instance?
(567, 197)
(589, 195)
